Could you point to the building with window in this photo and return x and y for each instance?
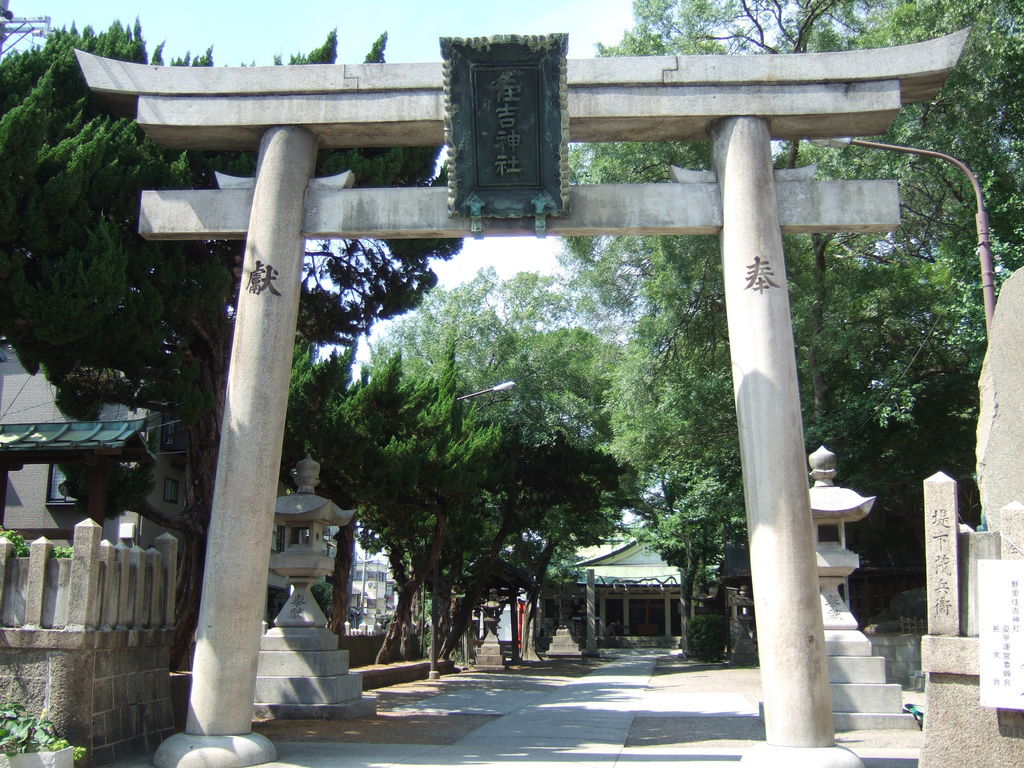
(36, 439)
(373, 591)
(637, 596)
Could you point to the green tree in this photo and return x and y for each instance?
(436, 470)
(559, 489)
(110, 318)
(412, 460)
(889, 330)
(316, 388)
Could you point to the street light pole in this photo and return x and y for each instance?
(434, 674)
(981, 218)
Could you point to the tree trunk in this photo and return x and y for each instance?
(540, 568)
(200, 470)
(187, 594)
(447, 606)
(408, 585)
(460, 621)
(412, 648)
(397, 627)
(821, 390)
(344, 556)
(529, 647)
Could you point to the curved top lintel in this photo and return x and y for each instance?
(920, 67)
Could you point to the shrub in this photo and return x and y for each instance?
(323, 593)
(21, 732)
(706, 637)
(20, 547)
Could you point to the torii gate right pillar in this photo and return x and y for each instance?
(791, 642)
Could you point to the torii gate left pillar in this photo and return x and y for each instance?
(219, 733)
(749, 205)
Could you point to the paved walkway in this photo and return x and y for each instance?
(621, 715)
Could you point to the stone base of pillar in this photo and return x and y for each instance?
(773, 756)
(302, 675)
(489, 657)
(188, 750)
(563, 646)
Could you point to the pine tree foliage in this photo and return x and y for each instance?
(111, 318)
(407, 454)
(558, 487)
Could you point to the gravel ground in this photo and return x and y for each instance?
(672, 674)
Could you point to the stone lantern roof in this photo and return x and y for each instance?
(829, 501)
(305, 506)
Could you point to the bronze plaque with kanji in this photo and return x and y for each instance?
(506, 126)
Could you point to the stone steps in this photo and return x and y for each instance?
(861, 699)
(873, 721)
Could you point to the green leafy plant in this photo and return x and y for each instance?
(22, 732)
(20, 547)
(705, 637)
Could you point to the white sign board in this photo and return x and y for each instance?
(1000, 634)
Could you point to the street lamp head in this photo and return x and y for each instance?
(496, 388)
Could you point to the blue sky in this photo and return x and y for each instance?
(256, 31)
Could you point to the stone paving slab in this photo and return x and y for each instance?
(628, 712)
(532, 756)
(711, 757)
(673, 704)
(593, 710)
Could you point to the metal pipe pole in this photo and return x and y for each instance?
(433, 674)
(988, 287)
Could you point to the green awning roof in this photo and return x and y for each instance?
(65, 441)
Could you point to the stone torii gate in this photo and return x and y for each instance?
(739, 103)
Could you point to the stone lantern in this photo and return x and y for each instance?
(832, 508)
(302, 673)
(488, 656)
(860, 696)
(303, 560)
(563, 645)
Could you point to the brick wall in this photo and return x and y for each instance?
(902, 655)
(87, 640)
(108, 691)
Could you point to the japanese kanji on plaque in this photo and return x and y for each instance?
(1001, 633)
(506, 127)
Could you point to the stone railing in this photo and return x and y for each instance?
(103, 585)
(87, 639)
